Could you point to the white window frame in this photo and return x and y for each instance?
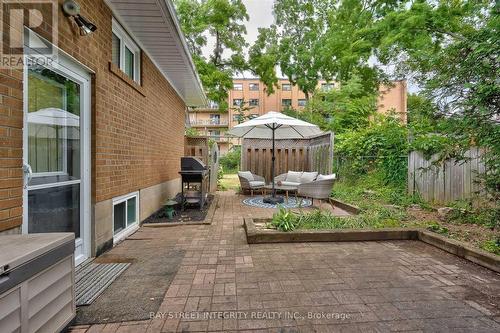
(301, 100)
(253, 99)
(256, 85)
(239, 85)
(128, 42)
(238, 99)
(129, 229)
(287, 85)
(327, 86)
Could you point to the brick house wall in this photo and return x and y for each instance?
(137, 130)
(11, 148)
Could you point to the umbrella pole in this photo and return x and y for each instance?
(273, 199)
(272, 163)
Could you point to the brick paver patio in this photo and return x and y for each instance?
(224, 284)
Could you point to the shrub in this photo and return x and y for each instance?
(381, 146)
(492, 245)
(284, 220)
(231, 161)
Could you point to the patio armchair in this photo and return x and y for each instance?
(251, 182)
(320, 188)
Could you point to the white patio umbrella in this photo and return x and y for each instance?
(54, 116)
(274, 125)
(54, 123)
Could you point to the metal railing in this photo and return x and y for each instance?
(209, 122)
(219, 138)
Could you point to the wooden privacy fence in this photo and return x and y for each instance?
(451, 181)
(199, 146)
(311, 154)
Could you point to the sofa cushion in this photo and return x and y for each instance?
(246, 174)
(286, 183)
(308, 177)
(256, 183)
(326, 177)
(293, 176)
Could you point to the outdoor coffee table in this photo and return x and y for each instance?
(285, 188)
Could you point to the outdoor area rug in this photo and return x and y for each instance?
(290, 203)
(92, 279)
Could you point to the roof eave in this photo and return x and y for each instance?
(168, 12)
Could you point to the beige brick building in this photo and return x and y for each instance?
(209, 121)
(92, 144)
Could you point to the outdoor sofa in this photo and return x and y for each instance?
(309, 184)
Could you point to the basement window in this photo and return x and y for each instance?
(125, 215)
(125, 53)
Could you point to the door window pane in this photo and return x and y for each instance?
(53, 126)
(119, 217)
(116, 50)
(131, 211)
(54, 209)
(129, 63)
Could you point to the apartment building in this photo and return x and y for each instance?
(252, 94)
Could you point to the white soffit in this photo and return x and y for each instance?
(154, 26)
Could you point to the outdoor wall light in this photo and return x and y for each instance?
(72, 9)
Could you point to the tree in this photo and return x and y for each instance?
(241, 110)
(291, 44)
(321, 39)
(340, 110)
(222, 21)
(452, 48)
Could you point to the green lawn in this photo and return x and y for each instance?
(229, 182)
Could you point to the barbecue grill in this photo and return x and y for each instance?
(195, 181)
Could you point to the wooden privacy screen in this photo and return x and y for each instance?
(197, 147)
(451, 181)
(311, 154)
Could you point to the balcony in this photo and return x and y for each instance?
(210, 107)
(219, 138)
(209, 123)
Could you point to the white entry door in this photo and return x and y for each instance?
(56, 151)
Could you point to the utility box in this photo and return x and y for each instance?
(37, 282)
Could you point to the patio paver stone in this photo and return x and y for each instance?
(313, 287)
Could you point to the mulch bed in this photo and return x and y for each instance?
(192, 213)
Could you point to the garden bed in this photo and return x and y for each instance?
(191, 215)
(258, 231)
